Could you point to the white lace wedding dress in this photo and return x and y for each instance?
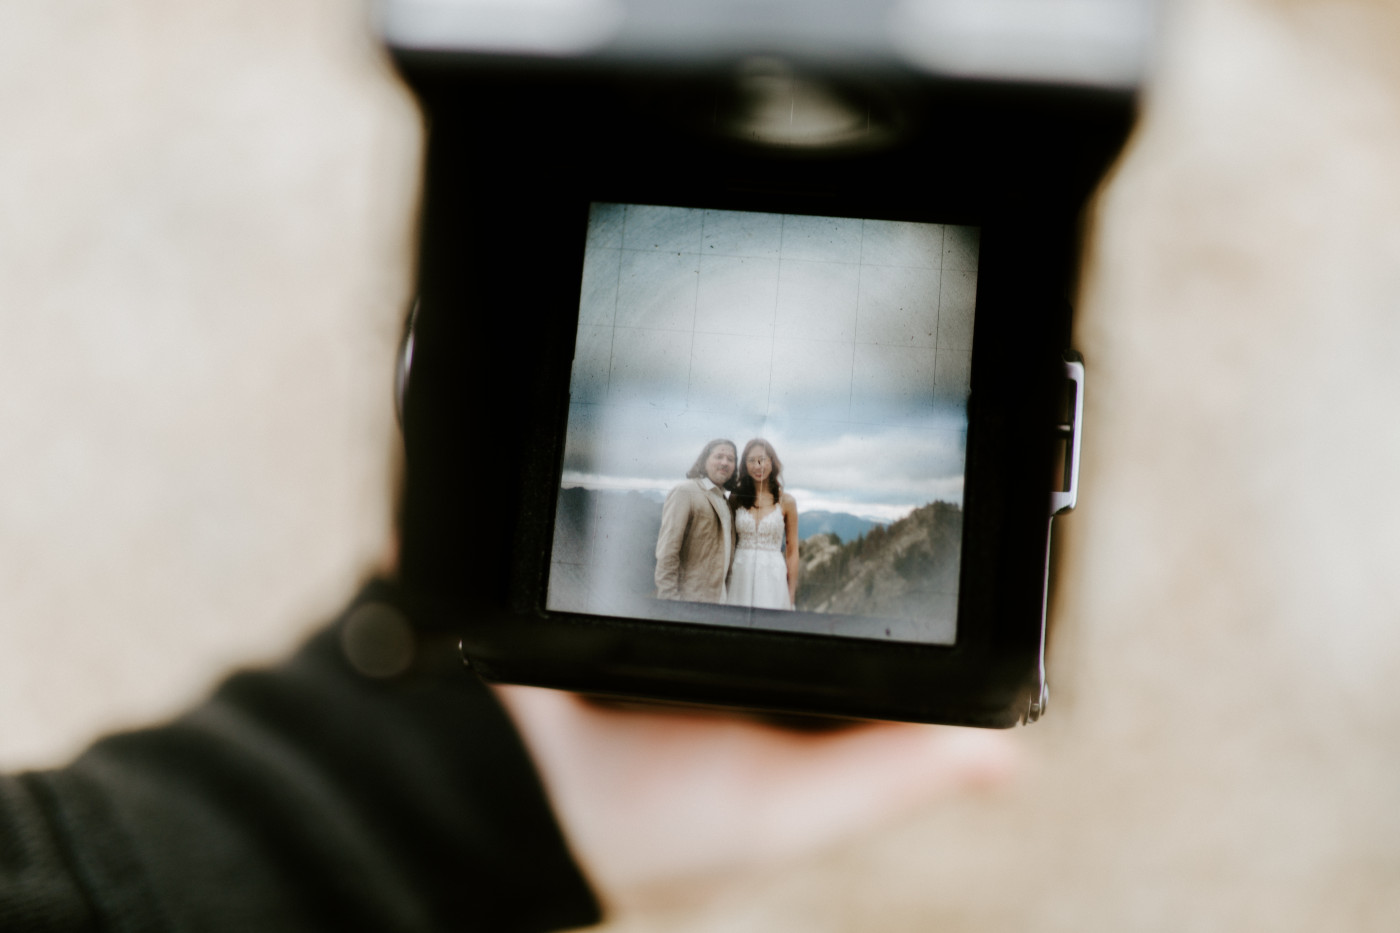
(759, 575)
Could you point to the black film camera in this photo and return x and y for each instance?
(848, 229)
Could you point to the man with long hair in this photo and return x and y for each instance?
(696, 543)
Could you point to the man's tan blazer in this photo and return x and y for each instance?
(695, 545)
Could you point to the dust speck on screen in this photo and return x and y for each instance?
(768, 423)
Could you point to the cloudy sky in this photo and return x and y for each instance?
(876, 471)
(846, 343)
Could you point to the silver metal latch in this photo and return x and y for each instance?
(403, 366)
(1061, 501)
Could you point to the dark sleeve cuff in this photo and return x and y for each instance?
(315, 796)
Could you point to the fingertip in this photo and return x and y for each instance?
(981, 757)
(956, 756)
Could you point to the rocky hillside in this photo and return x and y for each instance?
(890, 571)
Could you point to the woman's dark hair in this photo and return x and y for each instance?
(697, 470)
(745, 491)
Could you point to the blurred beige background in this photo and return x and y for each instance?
(205, 242)
(206, 216)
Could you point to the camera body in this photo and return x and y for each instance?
(630, 197)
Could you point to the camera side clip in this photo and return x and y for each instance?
(1063, 500)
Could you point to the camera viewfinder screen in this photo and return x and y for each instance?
(767, 423)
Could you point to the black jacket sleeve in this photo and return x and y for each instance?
(308, 797)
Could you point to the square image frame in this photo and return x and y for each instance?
(844, 342)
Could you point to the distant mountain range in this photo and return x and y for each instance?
(844, 525)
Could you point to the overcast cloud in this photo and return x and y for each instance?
(845, 343)
(877, 471)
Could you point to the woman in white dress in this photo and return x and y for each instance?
(765, 519)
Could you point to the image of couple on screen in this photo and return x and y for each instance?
(729, 532)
